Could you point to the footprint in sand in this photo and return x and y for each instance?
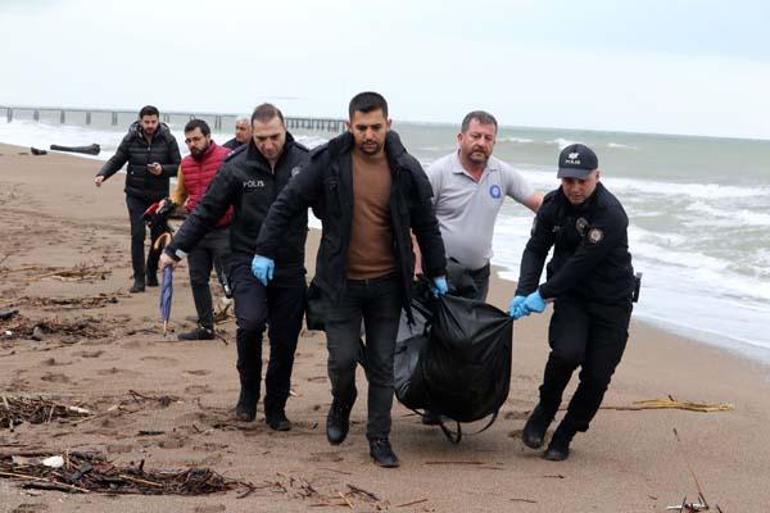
(325, 457)
(89, 354)
(211, 508)
(114, 370)
(198, 390)
(55, 378)
(30, 508)
(52, 362)
(199, 372)
(160, 359)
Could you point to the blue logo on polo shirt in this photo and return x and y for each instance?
(495, 191)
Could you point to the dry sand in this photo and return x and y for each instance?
(53, 218)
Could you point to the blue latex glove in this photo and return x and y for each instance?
(262, 268)
(534, 303)
(440, 286)
(514, 305)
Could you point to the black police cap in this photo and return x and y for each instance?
(577, 161)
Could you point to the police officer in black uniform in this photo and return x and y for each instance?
(250, 179)
(591, 282)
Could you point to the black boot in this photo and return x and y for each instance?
(138, 286)
(246, 409)
(558, 449)
(338, 420)
(199, 333)
(536, 426)
(277, 420)
(152, 279)
(382, 452)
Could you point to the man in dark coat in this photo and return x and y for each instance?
(249, 180)
(369, 192)
(153, 157)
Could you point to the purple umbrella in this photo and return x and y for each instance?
(166, 291)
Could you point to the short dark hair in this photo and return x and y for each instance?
(197, 123)
(149, 110)
(367, 101)
(265, 112)
(483, 117)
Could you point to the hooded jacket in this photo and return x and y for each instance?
(135, 150)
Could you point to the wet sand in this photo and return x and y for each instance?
(53, 219)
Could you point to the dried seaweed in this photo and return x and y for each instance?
(17, 410)
(84, 472)
(70, 330)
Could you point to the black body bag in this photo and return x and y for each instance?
(455, 360)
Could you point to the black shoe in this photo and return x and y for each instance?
(199, 333)
(535, 428)
(431, 418)
(138, 286)
(278, 421)
(382, 452)
(152, 280)
(246, 409)
(558, 449)
(338, 420)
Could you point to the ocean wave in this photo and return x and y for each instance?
(621, 146)
(685, 190)
(734, 216)
(517, 140)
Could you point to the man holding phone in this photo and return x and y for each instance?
(153, 157)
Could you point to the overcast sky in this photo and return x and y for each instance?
(670, 66)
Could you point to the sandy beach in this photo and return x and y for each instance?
(54, 220)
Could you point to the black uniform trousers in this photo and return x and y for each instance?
(136, 207)
(588, 335)
(281, 305)
(211, 252)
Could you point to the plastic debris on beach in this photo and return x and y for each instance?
(87, 472)
(17, 410)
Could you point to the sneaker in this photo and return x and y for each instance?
(278, 421)
(138, 286)
(382, 452)
(338, 421)
(535, 428)
(246, 409)
(152, 280)
(199, 333)
(558, 449)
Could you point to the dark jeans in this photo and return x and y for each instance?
(378, 303)
(592, 336)
(281, 305)
(211, 252)
(136, 208)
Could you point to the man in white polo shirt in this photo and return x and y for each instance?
(469, 187)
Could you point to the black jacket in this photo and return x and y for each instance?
(233, 144)
(327, 185)
(134, 149)
(246, 182)
(590, 256)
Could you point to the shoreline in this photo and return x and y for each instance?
(733, 346)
